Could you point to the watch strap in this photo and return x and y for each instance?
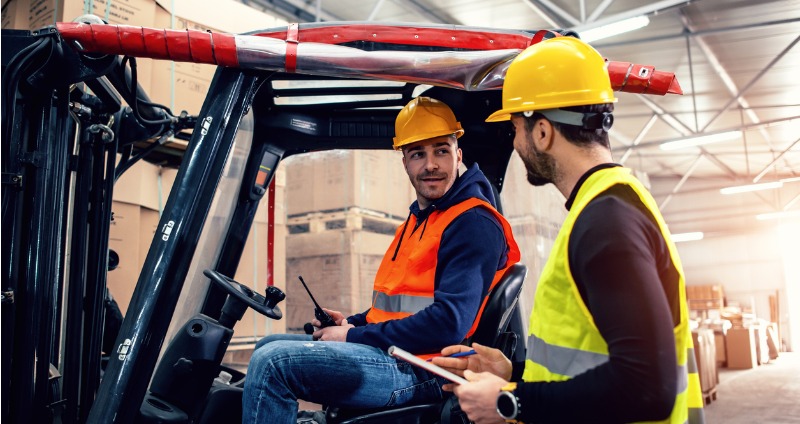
(509, 392)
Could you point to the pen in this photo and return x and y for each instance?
(462, 354)
(459, 354)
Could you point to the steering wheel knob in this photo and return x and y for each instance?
(273, 296)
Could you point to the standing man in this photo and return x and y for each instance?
(429, 291)
(609, 338)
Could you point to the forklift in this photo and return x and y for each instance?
(72, 106)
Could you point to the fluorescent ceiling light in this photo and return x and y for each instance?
(789, 180)
(778, 215)
(700, 140)
(751, 187)
(677, 238)
(616, 28)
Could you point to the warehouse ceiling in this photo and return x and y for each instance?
(736, 60)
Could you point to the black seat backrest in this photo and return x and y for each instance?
(499, 307)
(493, 324)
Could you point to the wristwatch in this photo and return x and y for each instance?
(508, 403)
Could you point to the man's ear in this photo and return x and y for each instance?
(459, 155)
(543, 134)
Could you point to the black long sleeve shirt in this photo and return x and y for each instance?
(622, 267)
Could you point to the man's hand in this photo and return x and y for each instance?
(478, 398)
(337, 317)
(485, 359)
(336, 333)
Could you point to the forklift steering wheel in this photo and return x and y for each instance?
(267, 306)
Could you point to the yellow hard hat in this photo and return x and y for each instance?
(554, 73)
(424, 118)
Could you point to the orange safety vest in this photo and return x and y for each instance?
(405, 285)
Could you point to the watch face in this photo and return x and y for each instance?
(507, 405)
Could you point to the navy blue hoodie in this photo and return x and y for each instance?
(472, 249)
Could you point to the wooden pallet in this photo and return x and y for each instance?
(709, 396)
(352, 218)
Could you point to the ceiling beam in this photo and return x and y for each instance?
(762, 124)
(599, 10)
(739, 96)
(774, 161)
(293, 10)
(679, 126)
(649, 124)
(423, 10)
(375, 9)
(667, 117)
(791, 202)
(683, 34)
(544, 14)
(682, 181)
(649, 9)
(720, 164)
(568, 18)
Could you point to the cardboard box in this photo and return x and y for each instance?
(166, 181)
(124, 240)
(148, 224)
(706, 357)
(15, 14)
(180, 85)
(339, 267)
(337, 180)
(252, 272)
(139, 185)
(740, 344)
(230, 16)
(705, 292)
(719, 343)
(35, 14)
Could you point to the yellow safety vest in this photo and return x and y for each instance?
(563, 340)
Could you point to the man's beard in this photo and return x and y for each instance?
(540, 166)
(420, 186)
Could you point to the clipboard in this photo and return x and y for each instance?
(428, 366)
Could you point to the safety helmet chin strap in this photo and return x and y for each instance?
(589, 121)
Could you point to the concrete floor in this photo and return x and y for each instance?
(766, 394)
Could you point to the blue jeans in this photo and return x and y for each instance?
(287, 367)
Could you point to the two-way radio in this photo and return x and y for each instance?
(323, 317)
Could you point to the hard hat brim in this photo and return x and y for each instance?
(505, 114)
(426, 136)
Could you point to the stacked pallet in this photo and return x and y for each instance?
(342, 212)
(706, 297)
(706, 357)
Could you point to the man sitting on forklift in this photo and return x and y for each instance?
(429, 291)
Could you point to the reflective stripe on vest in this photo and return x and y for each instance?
(400, 303)
(404, 284)
(573, 362)
(563, 327)
(562, 360)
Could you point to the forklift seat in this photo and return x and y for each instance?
(492, 331)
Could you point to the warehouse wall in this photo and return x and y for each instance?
(751, 259)
(751, 267)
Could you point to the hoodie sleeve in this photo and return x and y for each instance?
(472, 249)
(358, 319)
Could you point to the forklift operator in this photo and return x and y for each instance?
(429, 291)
